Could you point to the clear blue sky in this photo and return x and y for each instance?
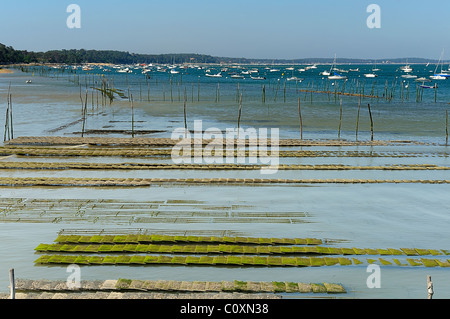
(246, 28)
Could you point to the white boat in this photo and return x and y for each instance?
(237, 76)
(423, 86)
(354, 70)
(422, 79)
(173, 71)
(406, 68)
(326, 73)
(274, 70)
(336, 76)
(126, 70)
(438, 77)
(257, 77)
(218, 75)
(409, 76)
(294, 78)
(370, 75)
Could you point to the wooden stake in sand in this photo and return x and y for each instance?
(430, 287)
(12, 284)
(300, 118)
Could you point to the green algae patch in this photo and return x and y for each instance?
(42, 259)
(359, 251)
(151, 259)
(234, 260)
(422, 252)
(274, 261)
(95, 260)
(370, 251)
(181, 260)
(344, 261)
(395, 251)
(331, 261)
(409, 251)
(357, 261)
(384, 262)
(137, 259)
(220, 260)
(279, 286)
(192, 260)
(291, 287)
(240, 286)
(413, 262)
(288, 261)
(302, 261)
(399, 263)
(247, 260)
(429, 262)
(316, 261)
(442, 263)
(109, 260)
(42, 247)
(384, 251)
(260, 261)
(83, 260)
(347, 251)
(124, 260)
(318, 288)
(334, 288)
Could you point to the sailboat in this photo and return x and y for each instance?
(442, 75)
(335, 76)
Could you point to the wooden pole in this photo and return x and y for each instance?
(239, 114)
(357, 117)
(371, 123)
(300, 118)
(185, 120)
(12, 284)
(430, 287)
(340, 119)
(132, 117)
(446, 127)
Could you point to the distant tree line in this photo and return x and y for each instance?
(9, 55)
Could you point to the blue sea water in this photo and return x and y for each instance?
(353, 215)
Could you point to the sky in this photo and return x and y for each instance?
(283, 29)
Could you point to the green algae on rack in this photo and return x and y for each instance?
(83, 245)
(158, 238)
(123, 284)
(221, 260)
